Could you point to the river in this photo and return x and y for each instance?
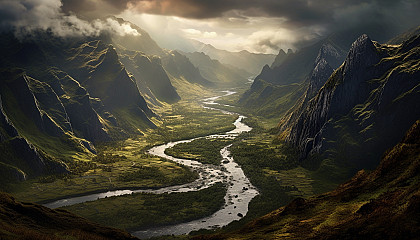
(239, 192)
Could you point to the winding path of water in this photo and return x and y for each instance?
(239, 192)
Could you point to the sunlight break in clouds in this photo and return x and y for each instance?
(26, 16)
(234, 33)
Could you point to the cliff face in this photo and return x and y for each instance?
(85, 121)
(61, 100)
(150, 76)
(20, 159)
(364, 107)
(291, 84)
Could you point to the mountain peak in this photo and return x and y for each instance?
(266, 68)
(282, 52)
(362, 54)
(111, 54)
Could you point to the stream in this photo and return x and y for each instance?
(239, 193)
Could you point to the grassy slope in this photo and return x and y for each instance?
(383, 204)
(30, 221)
(183, 120)
(141, 211)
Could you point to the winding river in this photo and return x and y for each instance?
(239, 192)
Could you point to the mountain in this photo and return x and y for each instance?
(276, 90)
(151, 78)
(20, 220)
(281, 57)
(141, 42)
(216, 72)
(252, 62)
(175, 64)
(59, 97)
(382, 204)
(363, 108)
(405, 36)
(179, 66)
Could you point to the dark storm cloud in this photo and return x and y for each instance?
(25, 16)
(296, 13)
(299, 12)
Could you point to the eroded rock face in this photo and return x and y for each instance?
(22, 159)
(363, 100)
(149, 73)
(79, 108)
(328, 56)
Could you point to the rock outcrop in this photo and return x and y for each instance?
(364, 107)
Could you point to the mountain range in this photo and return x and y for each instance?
(61, 96)
(340, 106)
(250, 62)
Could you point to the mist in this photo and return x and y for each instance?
(25, 16)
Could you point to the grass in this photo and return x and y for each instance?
(186, 119)
(111, 175)
(204, 150)
(140, 211)
(124, 164)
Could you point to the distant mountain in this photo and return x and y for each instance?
(143, 42)
(151, 78)
(59, 97)
(382, 204)
(179, 66)
(220, 74)
(252, 62)
(405, 36)
(276, 90)
(20, 220)
(175, 64)
(363, 108)
(279, 87)
(281, 57)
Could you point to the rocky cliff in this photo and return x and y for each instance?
(291, 82)
(150, 75)
(61, 98)
(363, 108)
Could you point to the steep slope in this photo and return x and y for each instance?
(19, 159)
(61, 96)
(327, 56)
(216, 72)
(252, 62)
(362, 109)
(179, 66)
(31, 221)
(149, 74)
(281, 57)
(174, 63)
(141, 42)
(405, 36)
(293, 82)
(383, 204)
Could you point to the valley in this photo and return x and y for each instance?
(188, 120)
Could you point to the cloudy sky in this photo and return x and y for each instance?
(254, 25)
